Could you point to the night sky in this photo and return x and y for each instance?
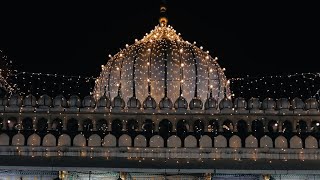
(75, 39)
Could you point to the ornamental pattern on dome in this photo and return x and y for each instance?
(162, 65)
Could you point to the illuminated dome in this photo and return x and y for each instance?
(162, 65)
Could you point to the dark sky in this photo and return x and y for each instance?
(76, 38)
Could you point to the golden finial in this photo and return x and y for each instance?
(163, 20)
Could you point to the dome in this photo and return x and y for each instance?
(74, 101)
(118, 102)
(88, 101)
(165, 103)
(30, 100)
(104, 101)
(311, 103)
(45, 100)
(133, 103)
(268, 103)
(240, 103)
(195, 103)
(283, 103)
(159, 64)
(210, 103)
(60, 101)
(254, 103)
(149, 103)
(225, 103)
(181, 103)
(15, 100)
(297, 103)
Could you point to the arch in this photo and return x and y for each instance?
(49, 140)
(273, 126)
(257, 127)
(280, 142)
(125, 140)
(87, 125)
(190, 141)
(94, 140)
(251, 142)
(132, 127)
(242, 127)
(302, 126)
(18, 140)
(140, 141)
(266, 142)
(198, 128)
(235, 141)
(182, 128)
(315, 126)
(148, 128)
(295, 142)
(4, 139)
(34, 140)
(27, 123)
(213, 126)
(156, 141)
(165, 128)
(57, 124)
(79, 140)
(42, 125)
(205, 141)
(102, 125)
(220, 141)
(12, 123)
(64, 140)
(311, 142)
(116, 127)
(174, 141)
(287, 127)
(228, 126)
(72, 125)
(109, 141)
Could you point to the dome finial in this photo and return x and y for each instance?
(163, 20)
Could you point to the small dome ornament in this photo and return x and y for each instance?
(133, 103)
(181, 103)
(195, 103)
(211, 103)
(297, 103)
(74, 101)
(240, 103)
(45, 101)
(254, 103)
(165, 103)
(88, 101)
(30, 101)
(149, 103)
(118, 102)
(59, 101)
(104, 102)
(268, 104)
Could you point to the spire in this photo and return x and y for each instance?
(163, 20)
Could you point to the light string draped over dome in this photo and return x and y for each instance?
(162, 66)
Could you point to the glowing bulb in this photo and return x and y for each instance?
(211, 70)
(148, 80)
(201, 47)
(181, 50)
(182, 65)
(211, 86)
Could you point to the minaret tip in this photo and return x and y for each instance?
(163, 20)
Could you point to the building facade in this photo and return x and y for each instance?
(161, 109)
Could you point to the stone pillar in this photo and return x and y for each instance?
(34, 123)
(49, 123)
(4, 124)
(156, 125)
(294, 125)
(80, 125)
(94, 125)
(279, 125)
(19, 122)
(124, 125)
(65, 121)
(309, 122)
(174, 125)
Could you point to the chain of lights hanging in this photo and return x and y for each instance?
(5, 73)
(302, 85)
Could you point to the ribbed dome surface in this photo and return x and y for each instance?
(158, 65)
